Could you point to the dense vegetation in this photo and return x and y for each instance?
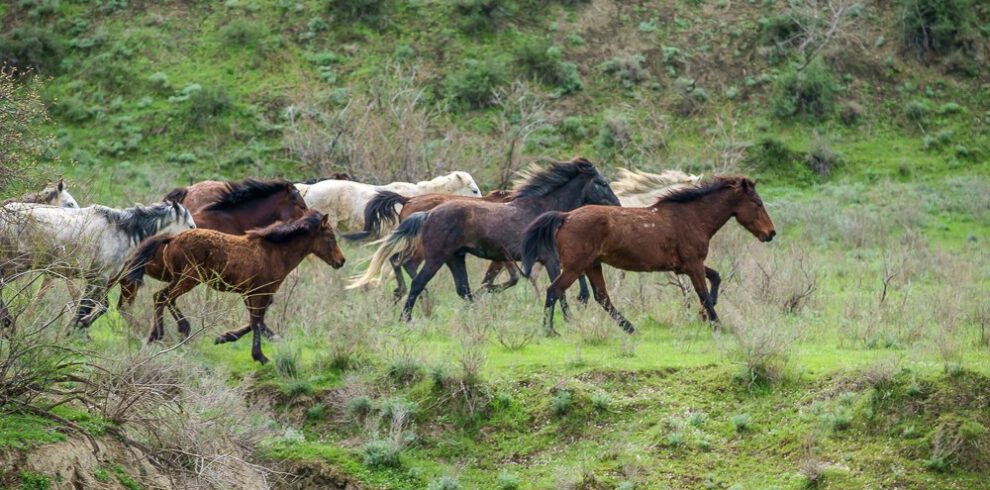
(856, 349)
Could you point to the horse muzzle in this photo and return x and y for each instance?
(769, 236)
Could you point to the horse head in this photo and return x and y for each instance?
(596, 190)
(290, 205)
(459, 183)
(326, 247)
(750, 212)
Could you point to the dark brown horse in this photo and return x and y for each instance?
(488, 230)
(381, 213)
(252, 265)
(671, 235)
(228, 207)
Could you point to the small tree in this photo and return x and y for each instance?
(21, 145)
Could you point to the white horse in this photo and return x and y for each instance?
(91, 243)
(638, 189)
(56, 194)
(344, 200)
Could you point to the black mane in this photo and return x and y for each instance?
(552, 178)
(281, 231)
(140, 222)
(247, 190)
(688, 194)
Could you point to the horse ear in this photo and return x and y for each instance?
(61, 184)
(746, 184)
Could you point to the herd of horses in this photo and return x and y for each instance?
(246, 237)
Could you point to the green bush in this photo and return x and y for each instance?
(445, 483)
(35, 481)
(917, 110)
(938, 27)
(473, 86)
(482, 15)
(822, 159)
(382, 453)
(542, 61)
(742, 422)
(359, 406)
(850, 113)
(508, 481)
(613, 135)
(370, 12)
(771, 154)
(31, 47)
(317, 412)
(560, 404)
(244, 33)
(208, 104)
(629, 69)
(805, 93)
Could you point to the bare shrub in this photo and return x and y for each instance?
(22, 112)
(382, 133)
(760, 341)
(947, 335)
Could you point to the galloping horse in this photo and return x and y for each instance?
(344, 201)
(56, 194)
(672, 235)
(491, 231)
(252, 265)
(228, 207)
(381, 213)
(90, 243)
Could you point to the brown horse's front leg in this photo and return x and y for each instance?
(716, 280)
(697, 276)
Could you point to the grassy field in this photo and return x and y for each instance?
(854, 350)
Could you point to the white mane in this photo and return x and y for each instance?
(636, 188)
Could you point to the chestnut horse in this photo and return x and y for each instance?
(488, 230)
(381, 214)
(672, 235)
(252, 265)
(228, 207)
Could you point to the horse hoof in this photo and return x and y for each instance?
(260, 358)
(223, 339)
(552, 333)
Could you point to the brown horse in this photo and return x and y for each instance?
(252, 265)
(671, 235)
(381, 213)
(228, 207)
(488, 230)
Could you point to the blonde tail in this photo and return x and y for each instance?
(403, 241)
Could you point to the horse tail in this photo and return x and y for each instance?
(148, 250)
(378, 213)
(539, 242)
(403, 241)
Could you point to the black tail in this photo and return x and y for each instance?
(379, 211)
(539, 243)
(134, 270)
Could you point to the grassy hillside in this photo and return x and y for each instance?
(855, 350)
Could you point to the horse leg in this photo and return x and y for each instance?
(583, 294)
(597, 278)
(553, 270)
(419, 284)
(488, 282)
(400, 280)
(92, 305)
(459, 270)
(555, 292)
(166, 299)
(180, 319)
(716, 280)
(128, 291)
(697, 276)
(257, 306)
(233, 335)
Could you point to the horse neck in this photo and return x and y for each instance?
(710, 212)
(564, 198)
(288, 254)
(258, 212)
